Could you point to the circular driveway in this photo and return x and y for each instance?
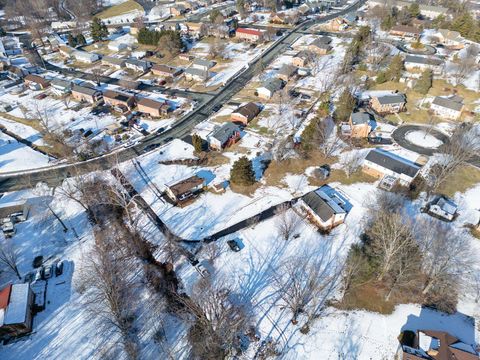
(428, 49)
(400, 137)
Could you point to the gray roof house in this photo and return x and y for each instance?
(380, 163)
(138, 65)
(203, 64)
(443, 208)
(269, 88)
(391, 99)
(196, 74)
(113, 61)
(447, 107)
(223, 136)
(325, 207)
(360, 118)
(421, 62)
(60, 86)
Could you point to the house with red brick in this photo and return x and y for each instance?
(252, 35)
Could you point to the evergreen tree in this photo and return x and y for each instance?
(242, 172)
(170, 42)
(394, 72)
(345, 105)
(2, 31)
(71, 40)
(309, 134)
(197, 143)
(425, 82)
(414, 10)
(98, 29)
(81, 39)
(387, 23)
(381, 77)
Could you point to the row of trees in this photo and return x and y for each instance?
(77, 40)
(170, 41)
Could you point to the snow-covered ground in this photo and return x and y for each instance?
(422, 138)
(16, 156)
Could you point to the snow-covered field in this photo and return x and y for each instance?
(422, 138)
(16, 156)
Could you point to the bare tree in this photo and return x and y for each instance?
(305, 282)
(461, 148)
(325, 137)
(350, 162)
(286, 221)
(462, 69)
(9, 258)
(212, 251)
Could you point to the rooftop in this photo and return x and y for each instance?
(393, 162)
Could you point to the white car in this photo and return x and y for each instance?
(202, 270)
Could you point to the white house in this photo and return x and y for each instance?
(325, 207)
(443, 207)
(61, 87)
(268, 88)
(138, 65)
(117, 46)
(202, 64)
(450, 38)
(85, 57)
(450, 107)
(422, 63)
(380, 163)
(195, 74)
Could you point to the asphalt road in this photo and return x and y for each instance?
(399, 135)
(55, 175)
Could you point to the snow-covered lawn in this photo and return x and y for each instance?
(24, 131)
(16, 156)
(423, 139)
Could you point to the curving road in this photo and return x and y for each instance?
(56, 174)
(399, 135)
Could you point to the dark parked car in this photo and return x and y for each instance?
(217, 107)
(151, 147)
(233, 245)
(160, 130)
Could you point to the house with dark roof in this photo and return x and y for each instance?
(269, 88)
(203, 64)
(118, 99)
(152, 107)
(360, 124)
(433, 345)
(35, 82)
(325, 207)
(450, 107)
(320, 45)
(443, 208)
(166, 71)
(286, 72)
(245, 113)
(194, 74)
(302, 58)
(388, 104)
(117, 63)
(421, 63)
(185, 189)
(380, 163)
(86, 94)
(223, 136)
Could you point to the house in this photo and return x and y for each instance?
(152, 107)
(380, 163)
(269, 88)
(245, 113)
(177, 10)
(360, 124)
(184, 189)
(388, 104)
(325, 207)
(117, 46)
(194, 74)
(450, 107)
(451, 39)
(422, 63)
(405, 31)
(166, 71)
(35, 82)
(198, 29)
(16, 303)
(336, 24)
(66, 51)
(118, 99)
(61, 87)
(138, 65)
(202, 64)
(223, 136)
(432, 12)
(433, 345)
(86, 94)
(286, 72)
(85, 57)
(117, 63)
(321, 45)
(17, 209)
(443, 208)
(248, 34)
(302, 58)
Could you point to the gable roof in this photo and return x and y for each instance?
(110, 94)
(153, 104)
(406, 29)
(391, 99)
(18, 306)
(5, 296)
(203, 62)
(84, 90)
(185, 185)
(450, 34)
(61, 83)
(249, 31)
(393, 162)
(140, 63)
(322, 204)
(448, 102)
(273, 84)
(224, 132)
(360, 118)
(249, 110)
(114, 60)
(37, 79)
(165, 69)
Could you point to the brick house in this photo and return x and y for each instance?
(360, 124)
(388, 104)
(36, 82)
(245, 113)
(86, 94)
(223, 136)
(302, 58)
(152, 107)
(321, 45)
(247, 34)
(118, 99)
(166, 71)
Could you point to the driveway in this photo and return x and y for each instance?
(399, 135)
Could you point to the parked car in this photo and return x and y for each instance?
(150, 147)
(48, 272)
(217, 107)
(160, 130)
(59, 268)
(202, 270)
(233, 245)
(38, 274)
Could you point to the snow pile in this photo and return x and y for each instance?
(423, 139)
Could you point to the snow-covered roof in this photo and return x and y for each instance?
(18, 306)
